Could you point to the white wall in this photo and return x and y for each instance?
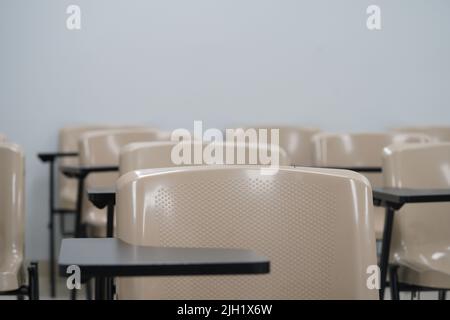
(169, 62)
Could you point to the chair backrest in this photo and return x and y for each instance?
(437, 133)
(149, 155)
(421, 231)
(357, 149)
(68, 142)
(99, 148)
(314, 225)
(296, 141)
(12, 215)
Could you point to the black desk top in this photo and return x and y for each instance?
(407, 195)
(101, 197)
(111, 257)
(50, 156)
(83, 171)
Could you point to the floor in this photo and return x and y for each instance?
(64, 294)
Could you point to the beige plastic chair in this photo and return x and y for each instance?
(421, 232)
(68, 142)
(150, 155)
(360, 150)
(102, 148)
(437, 133)
(296, 141)
(314, 225)
(12, 217)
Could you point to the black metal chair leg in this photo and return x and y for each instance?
(88, 290)
(384, 257)
(110, 288)
(73, 294)
(393, 280)
(78, 219)
(33, 281)
(100, 288)
(52, 233)
(110, 221)
(30, 283)
(36, 280)
(442, 294)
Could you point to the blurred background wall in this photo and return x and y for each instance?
(170, 62)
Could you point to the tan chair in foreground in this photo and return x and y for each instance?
(361, 152)
(420, 242)
(12, 223)
(315, 226)
(166, 154)
(437, 133)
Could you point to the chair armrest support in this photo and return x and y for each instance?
(102, 197)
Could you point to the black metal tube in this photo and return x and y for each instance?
(393, 278)
(36, 280)
(110, 221)
(78, 226)
(385, 248)
(88, 290)
(100, 288)
(52, 232)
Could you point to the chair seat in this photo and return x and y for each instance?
(96, 221)
(426, 265)
(427, 279)
(95, 217)
(68, 197)
(11, 274)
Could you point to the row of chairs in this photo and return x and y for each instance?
(358, 151)
(326, 214)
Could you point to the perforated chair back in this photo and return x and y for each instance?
(360, 150)
(12, 216)
(149, 155)
(314, 225)
(421, 237)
